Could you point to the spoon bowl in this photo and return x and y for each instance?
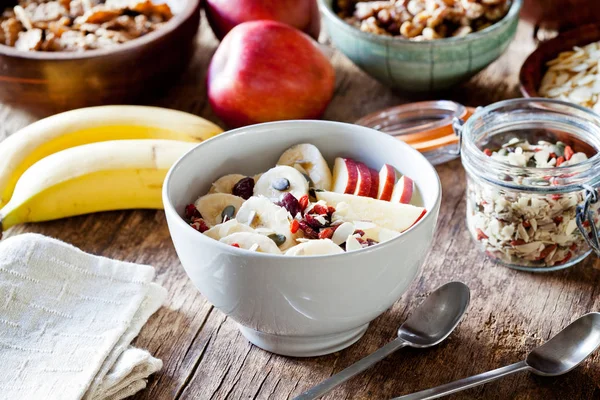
(428, 325)
(568, 348)
(437, 317)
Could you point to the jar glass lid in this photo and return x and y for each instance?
(425, 125)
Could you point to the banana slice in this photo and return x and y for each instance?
(225, 183)
(213, 206)
(252, 241)
(227, 228)
(279, 180)
(315, 248)
(261, 214)
(309, 158)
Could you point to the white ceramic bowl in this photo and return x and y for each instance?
(298, 306)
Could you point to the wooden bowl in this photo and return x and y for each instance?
(58, 81)
(534, 67)
(561, 14)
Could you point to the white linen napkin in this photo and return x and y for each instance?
(67, 319)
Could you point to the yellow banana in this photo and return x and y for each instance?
(89, 125)
(113, 175)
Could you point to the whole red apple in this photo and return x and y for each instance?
(224, 15)
(268, 71)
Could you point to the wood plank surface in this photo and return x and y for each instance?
(205, 357)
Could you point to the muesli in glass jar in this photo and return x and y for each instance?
(532, 167)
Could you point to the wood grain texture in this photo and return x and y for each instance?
(511, 312)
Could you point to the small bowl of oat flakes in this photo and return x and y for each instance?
(421, 45)
(64, 54)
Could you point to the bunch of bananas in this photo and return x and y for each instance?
(93, 159)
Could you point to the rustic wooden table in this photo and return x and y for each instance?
(204, 355)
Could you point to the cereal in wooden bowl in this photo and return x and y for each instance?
(77, 25)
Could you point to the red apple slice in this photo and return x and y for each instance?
(363, 187)
(345, 175)
(403, 191)
(387, 180)
(374, 183)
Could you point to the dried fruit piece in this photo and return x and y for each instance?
(244, 188)
(289, 202)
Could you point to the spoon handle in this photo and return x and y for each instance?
(352, 370)
(466, 383)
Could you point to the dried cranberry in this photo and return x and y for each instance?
(290, 203)
(199, 225)
(326, 233)
(244, 188)
(558, 219)
(309, 232)
(371, 242)
(313, 222)
(330, 210)
(360, 232)
(192, 212)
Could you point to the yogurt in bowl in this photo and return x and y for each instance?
(298, 305)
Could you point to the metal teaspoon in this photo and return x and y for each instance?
(427, 326)
(557, 356)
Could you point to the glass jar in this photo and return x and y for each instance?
(529, 218)
(425, 125)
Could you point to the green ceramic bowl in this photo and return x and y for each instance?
(421, 66)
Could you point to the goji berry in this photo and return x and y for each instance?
(294, 226)
(303, 202)
(326, 233)
(319, 209)
(235, 245)
(547, 250)
(559, 161)
(517, 242)
(359, 232)
(573, 247)
(558, 219)
(487, 152)
(568, 153)
(567, 258)
(480, 234)
(526, 224)
(556, 197)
